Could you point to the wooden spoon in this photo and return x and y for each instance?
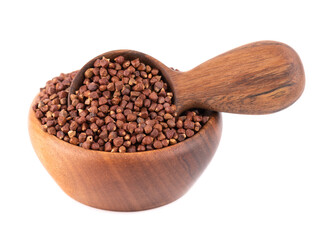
(257, 78)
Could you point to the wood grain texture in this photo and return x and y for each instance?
(258, 78)
(126, 181)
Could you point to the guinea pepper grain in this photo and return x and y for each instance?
(124, 105)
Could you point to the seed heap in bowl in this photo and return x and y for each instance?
(122, 106)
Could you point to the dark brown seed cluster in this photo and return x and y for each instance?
(122, 106)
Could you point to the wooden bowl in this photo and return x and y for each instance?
(126, 181)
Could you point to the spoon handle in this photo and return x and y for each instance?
(257, 78)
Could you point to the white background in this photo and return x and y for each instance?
(272, 176)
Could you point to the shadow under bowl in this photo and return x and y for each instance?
(126, 181)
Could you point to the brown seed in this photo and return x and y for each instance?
(126, 112)
(118, 85)
(139, 102)
(158, 86)
(158, 127)
(44, 108)
(114, 149)
(189, 133)
(181, 130)
(104, 108)
(161, 100)
(86, 144)
(122, 149)
(188, 124)
(50, 123)
(168, 116)
(197, 118)
(63, 101)
(179, 124)
(60, 135)
(89, 73)
(61, 120)
(89, 132)
(119, 109)
(182, 137)
(95, 146)
(121, 132)
(159, 107)
(120, 116)
(171, 123)
(107, 147)
(99, 122)
(118, 66)
(131, 117)
(119, 123)
(92, 86)
(205, 119)
(74, 140)
(141, 148)
(111, 126)
(141, 67)
(138, 87)
(115, 100)
(154, 71)
(153, 96)
(165, 142)
(149, 147)
(139, 137)
(147, 140)
(127, 144)
(39, 113)
(127, 137)
(104, 62)
(148, 128)
(197, 126)
(170, 133)
(157, 144)
(102, 100)
(108, 119)
(161, 136)
(112, 135)
(111, 87)
(66, 138)
(143, 114)
(66, 128)
(135, 63)
(94, 95)
(118, 141)
(162, 93)
(82, 137)
(119, 59)
(131, 149)
(71, 133)
(154, 133)
(143, 74)
(104, 134)
(74, 125)
(52, 131)
(94, 127)
(97, 63)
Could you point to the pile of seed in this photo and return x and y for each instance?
(122, 106)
